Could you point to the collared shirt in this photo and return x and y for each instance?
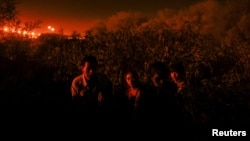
(79, 86)
(93, 91)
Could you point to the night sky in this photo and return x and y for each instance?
(79, 15)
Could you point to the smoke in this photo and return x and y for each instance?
(124, 20)
(222, 19)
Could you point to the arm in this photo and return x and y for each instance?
(75, 91)
(74, 88)
(137, 100)
(78, 88)
(100, 98)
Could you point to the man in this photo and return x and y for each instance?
(90, 91)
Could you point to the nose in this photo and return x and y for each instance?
(90, 71)
(157, 78)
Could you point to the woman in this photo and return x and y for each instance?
(133, 91)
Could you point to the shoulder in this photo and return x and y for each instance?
(77, 79)
(138, 92)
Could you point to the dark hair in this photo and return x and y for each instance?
(157, 67)
(134, 75)
(202, 72)
(90, 58)
(179, 68)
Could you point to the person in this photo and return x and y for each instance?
(128, 97)
(91, 91)
(133, 92)
(159, 92)
(184, 95)
(178, 76)
(208, 109)
(201, 77)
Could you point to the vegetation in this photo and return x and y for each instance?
(207, 33)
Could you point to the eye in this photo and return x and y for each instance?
(157, 78)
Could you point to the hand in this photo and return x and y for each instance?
(82, 92)
(100, 97)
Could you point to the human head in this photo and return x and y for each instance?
(131, 78)
(158, 73)
(88, 66)
(177, 72)
(200, 74)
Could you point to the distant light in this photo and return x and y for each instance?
(5, 29)
(52, 29)
(49, 27)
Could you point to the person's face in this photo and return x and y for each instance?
(157, 80)
(129, 79)
(174, 76)
(88, 70)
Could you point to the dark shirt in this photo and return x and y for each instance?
(91, 95)
(160, 103)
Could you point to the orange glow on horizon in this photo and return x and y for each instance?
(60, 25)
(20, 31)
